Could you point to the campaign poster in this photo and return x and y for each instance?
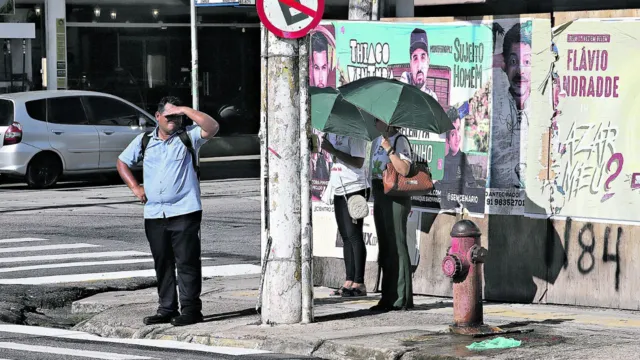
(322, 73)
(453, 64)
(511, 102)
(583, 163)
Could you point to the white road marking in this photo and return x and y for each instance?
(19, 240)
(74, 264)
(70, 352)
(90, 255)
(207, 271)
(165, 344)
(46, 247)
(78, 264)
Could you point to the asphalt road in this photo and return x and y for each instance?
(81, 238)
(88, 218)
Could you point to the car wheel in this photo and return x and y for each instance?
(44, 171)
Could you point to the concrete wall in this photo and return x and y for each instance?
(529, 261)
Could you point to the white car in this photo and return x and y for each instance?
(44, 134)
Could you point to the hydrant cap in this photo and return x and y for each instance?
(465, 228)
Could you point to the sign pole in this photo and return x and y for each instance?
(287, 279)
(306, 234)
(194, 56)
(282, 292)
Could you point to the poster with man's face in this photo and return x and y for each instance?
(322, 73)
(511, 114)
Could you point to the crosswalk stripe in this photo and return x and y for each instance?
(207, 271)
(74, 264)
(165, 344)
(78, 264)
(19, 240)
(70, 352)
(46, 247)
(89, 255)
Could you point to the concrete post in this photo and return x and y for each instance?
(363, 9)
(265, 245)
(194, 56)
(282, 295)
(405, 8)
(306, 240)
(56, 43)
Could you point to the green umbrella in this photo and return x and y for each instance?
(331, 113)
(397, 104)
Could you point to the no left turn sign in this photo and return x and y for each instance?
(290, 19)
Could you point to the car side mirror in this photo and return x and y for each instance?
(142, 122)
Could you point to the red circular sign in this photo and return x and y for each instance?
(280, 29)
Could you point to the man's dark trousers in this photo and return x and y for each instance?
(175, 241)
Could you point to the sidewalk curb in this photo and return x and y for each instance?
(331, 349)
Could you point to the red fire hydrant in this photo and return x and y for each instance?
(463, 264)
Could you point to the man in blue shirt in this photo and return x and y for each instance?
(173, 210)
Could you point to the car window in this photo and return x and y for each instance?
(6, 112)
(67, 111)
(37, 109)
(108, 111)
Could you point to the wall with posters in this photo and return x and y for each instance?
(479, 72)
(541, 154)
(582, 170)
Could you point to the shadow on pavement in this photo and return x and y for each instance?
(229, 315)
(518, 324)
(367, 312)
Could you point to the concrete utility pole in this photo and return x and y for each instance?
(282, 291)
(363, 9)
(306, 238)
(194, 56)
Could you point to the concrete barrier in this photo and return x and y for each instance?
(530, 261)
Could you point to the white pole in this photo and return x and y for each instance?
(364, 9)
(194, 55)
(282, 295)
(305, 192)
(264, 165)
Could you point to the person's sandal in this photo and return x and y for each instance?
(339, 292)
(355, 292)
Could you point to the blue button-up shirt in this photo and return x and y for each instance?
(170, 181)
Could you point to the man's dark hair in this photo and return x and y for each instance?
(517, 34)
(453, 115)
(168, 100)
(319, 42)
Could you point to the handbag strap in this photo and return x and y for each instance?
(344, 190)
(395, 143)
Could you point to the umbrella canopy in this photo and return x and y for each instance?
(397, 104)
(331, 113)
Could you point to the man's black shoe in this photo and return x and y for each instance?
(186, 319)
(160, 318)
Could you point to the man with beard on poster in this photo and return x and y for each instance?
(318, 77)
(319, 60)
(512, 119)
(419, 62)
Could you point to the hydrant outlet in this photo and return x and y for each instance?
(451, 266)
(477, 254)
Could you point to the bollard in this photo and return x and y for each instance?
(463, 264)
